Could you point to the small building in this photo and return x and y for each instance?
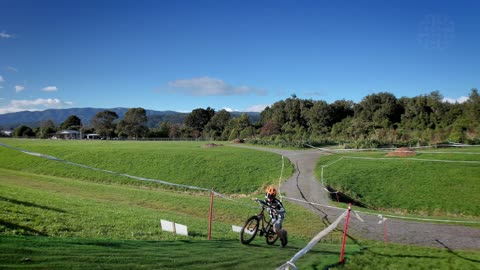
(6, 132)
(68, 134)
(93, 136)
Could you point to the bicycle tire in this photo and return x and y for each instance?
(249, 230)
(271, 237)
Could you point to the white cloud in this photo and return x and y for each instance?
(39, 101)
(228, 109)
(455, 100)
(12, 69)
(34, 105)
(205, 86)
(19, 88)
(4, 34)
(256, 108)
(314, 93)
(1, 79)
(50, 89)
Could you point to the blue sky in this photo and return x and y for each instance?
(240, 55)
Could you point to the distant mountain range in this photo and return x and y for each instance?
(58, 116)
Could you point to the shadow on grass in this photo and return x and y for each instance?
(14, 226)
(28, 204)
(451, 251)
(338, 196)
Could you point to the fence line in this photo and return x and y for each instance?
(418, 159)
(102, 170)
(386, 215)
(280, 179)
(126, 175)
(396, 149)
(312, 243)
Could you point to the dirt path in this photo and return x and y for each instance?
(303, 185)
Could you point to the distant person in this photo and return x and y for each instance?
(277, 213)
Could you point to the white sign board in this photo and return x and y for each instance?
(239, 229)
(167, 226)
(181, 229)
(236, 228)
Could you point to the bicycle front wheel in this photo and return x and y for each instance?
(249, 230)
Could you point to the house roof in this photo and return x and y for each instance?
(69, 131)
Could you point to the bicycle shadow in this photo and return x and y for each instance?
(17, 227)
(29, 204)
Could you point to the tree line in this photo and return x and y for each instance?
(378, 119)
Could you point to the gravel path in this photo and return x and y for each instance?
(303, 185)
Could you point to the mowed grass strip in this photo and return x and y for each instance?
(412, 186)
(377, 255)
(225, 169)
(20, 252)
(23, 252)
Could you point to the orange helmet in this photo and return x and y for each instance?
(270, 192)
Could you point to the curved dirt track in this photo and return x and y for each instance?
(303, 185)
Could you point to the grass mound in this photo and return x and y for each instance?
(402, 152)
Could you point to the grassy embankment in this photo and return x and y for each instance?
(82, 219)
(430, 188)
(225, 169)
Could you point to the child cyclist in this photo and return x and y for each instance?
(277, 213)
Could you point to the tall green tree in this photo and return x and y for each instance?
(46, 128)
(218, 123)
(319, 118)
(293, 113)
(473, 107)
(174, 131)
(341, 109)
(72, 122)
(426, 112)
(243, 121)
(198, 118)
(103, 123)
(133, 124)
(381, 109)
(275, 116)
(164, 129)
(23, 131)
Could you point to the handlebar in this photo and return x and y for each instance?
(262, 203)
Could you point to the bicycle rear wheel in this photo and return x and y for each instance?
(271, 237)
(249, 230)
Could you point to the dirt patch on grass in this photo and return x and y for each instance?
(402, 152)
(210, 145)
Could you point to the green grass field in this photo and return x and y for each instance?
(226, 169)
(412, 186)
(76, 223)
(58, 216)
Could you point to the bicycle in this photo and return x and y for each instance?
(261, 224)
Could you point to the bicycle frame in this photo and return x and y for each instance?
(263, 220)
